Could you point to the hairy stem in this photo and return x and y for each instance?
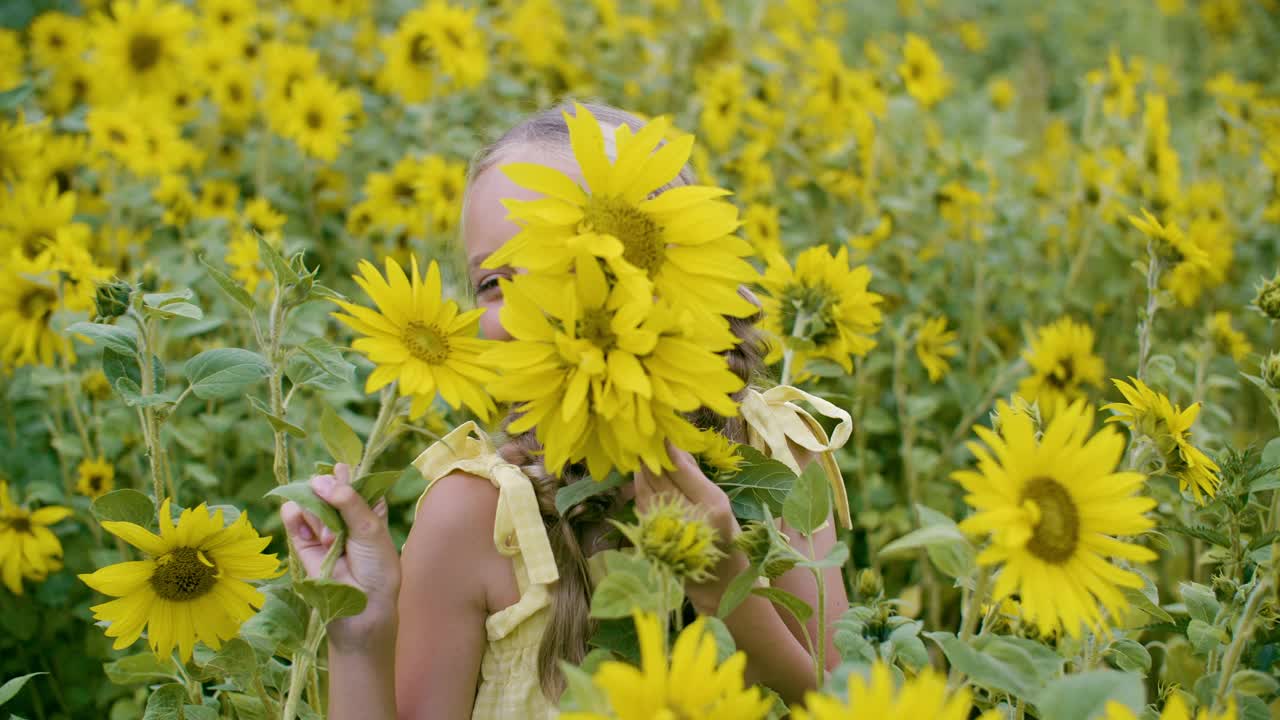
(1239, 638)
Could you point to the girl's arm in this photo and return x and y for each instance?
(801, 583)
(447, 562)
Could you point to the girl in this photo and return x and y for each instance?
(493, 588)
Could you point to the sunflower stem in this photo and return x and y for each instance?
(969, 623)
(1240, 637)
(379, 437)
(1149, 313)
(820, 647)
(789, 354)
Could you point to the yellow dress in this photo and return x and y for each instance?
(509, 686)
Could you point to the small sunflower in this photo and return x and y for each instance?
(142, 43)
(419, 339)
(244, 257)
(1150, 414)
(1226, 338)
(436, 48)
(33, 214)
(935, 345)
(922, 72)
(1175, 708)
(673, 534)
(28, 548)
(193, 584)
(28, 299)
(689, 685)
(58, 40)
(218, 199)
(923, 696)
(1052, 507)
(821, 308)
(318, 117)
(1062, 363)
(97, 477)
(760, 225)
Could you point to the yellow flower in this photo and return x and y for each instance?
(935, 345)
(1002, 93)
(717, 452)
(536, 29)
(435, 48)
(192, 585)
(923, 696)
(1175, 708)
(19, 146)
(28, 299)
(95, 385)
(28, 548)
(872, 238)
(96, 477)
(317, 117)
(1226, 339)
(674, 534)
(821, 308)
(394, 198)
(690, 685)
(58, 39)
(12, 59)
(61, 157)
(922, 72)
(228, 16)
(1150, 414)
(261, 218)
(678, 239)
(722, 94)
(218, 199)
(971, 34)
(1052, 508)
(440, 188)
(142, 44)
(1062, 363)
(244, 257)
(604, 374)
(419, 339)
(760, 225)
(32, 215)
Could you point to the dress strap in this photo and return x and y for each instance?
(517, 526)
(773, 418)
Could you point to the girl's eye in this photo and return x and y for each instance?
(487, 285)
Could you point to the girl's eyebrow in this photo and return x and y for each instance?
(475, 262)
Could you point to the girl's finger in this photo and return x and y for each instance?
(295, 523)
(689, 478)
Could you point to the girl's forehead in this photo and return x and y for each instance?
(485, 225)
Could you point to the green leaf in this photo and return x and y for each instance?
(809, 503)
(1270, 459)
(235, 659)
(224, 373)
(581, 694)
(1146, 599)
(631, 583)
(144, 667)
(318, 363)
(199, 712)
(13, 98)
(178, 309)
(1008, 664)
(1209, 535)
(131, 394)
(798, 608)
(759, 482)
(279, 267)
(1085, 695)
(159, 300)
(1205, 637)
(331, 598)
(578, 491)
(279, 625)
(339, 439)
(948, 549)
(373, 486)
(1202, 604)
(838, 556)
(1249, 682)
(737, 591)
(121, 339)
(166, 702)
(13, 685)
(301, 493)
(232, 289)
(1130, 656)
(725, 646)
(125, 505)
(278, 424)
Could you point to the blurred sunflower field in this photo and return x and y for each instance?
(1032, 249)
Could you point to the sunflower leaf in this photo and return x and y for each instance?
(12, 686)
(279, 424)
(232, 289)
(331, 598)
(798, 608)
(373, 486)
(301, 493)
(125, 505)
(144, 667)
(809, 502)
(1086, 694)
(1200, 532)
(579, 491)
(166, 702)
(224, 373)
(121, 339)
(284, 274)
(737, 591)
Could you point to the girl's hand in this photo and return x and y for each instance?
(368, 562)
(687, 479)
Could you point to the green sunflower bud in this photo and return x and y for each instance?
(869, 584)
(1271, 370)
(112, 299)
(1268, 298)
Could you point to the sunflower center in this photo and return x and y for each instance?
(55, 41)
(1063, 375)
(595, 326)
(20, 524)
(404, 192)
(426, 342)
(640, 236)
(1057, 532)
(37, 303)
(815, 305)
(144, 51)
(420, 51)
(314, 119)
(184, 574)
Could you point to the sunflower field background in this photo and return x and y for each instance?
(1033, 250)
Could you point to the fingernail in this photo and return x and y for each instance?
(322, 484)
(304, 532)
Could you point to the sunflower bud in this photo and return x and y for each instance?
(869, 584)
(112, 299)
(673, 534)
(1268, 299)
(1271, 370)
(753, 541)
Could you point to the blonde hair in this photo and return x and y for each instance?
(570, 626)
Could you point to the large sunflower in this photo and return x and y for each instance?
(603, 374)
(33, 214)
(1150, 414)
(142, 44)
(923, 696)
(192, 585)
(821, 308)
(28, 548)
(419, 339)
(678, 238)
(1062, 362)
(690, 685)
(434, 48)
(1053, 507)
